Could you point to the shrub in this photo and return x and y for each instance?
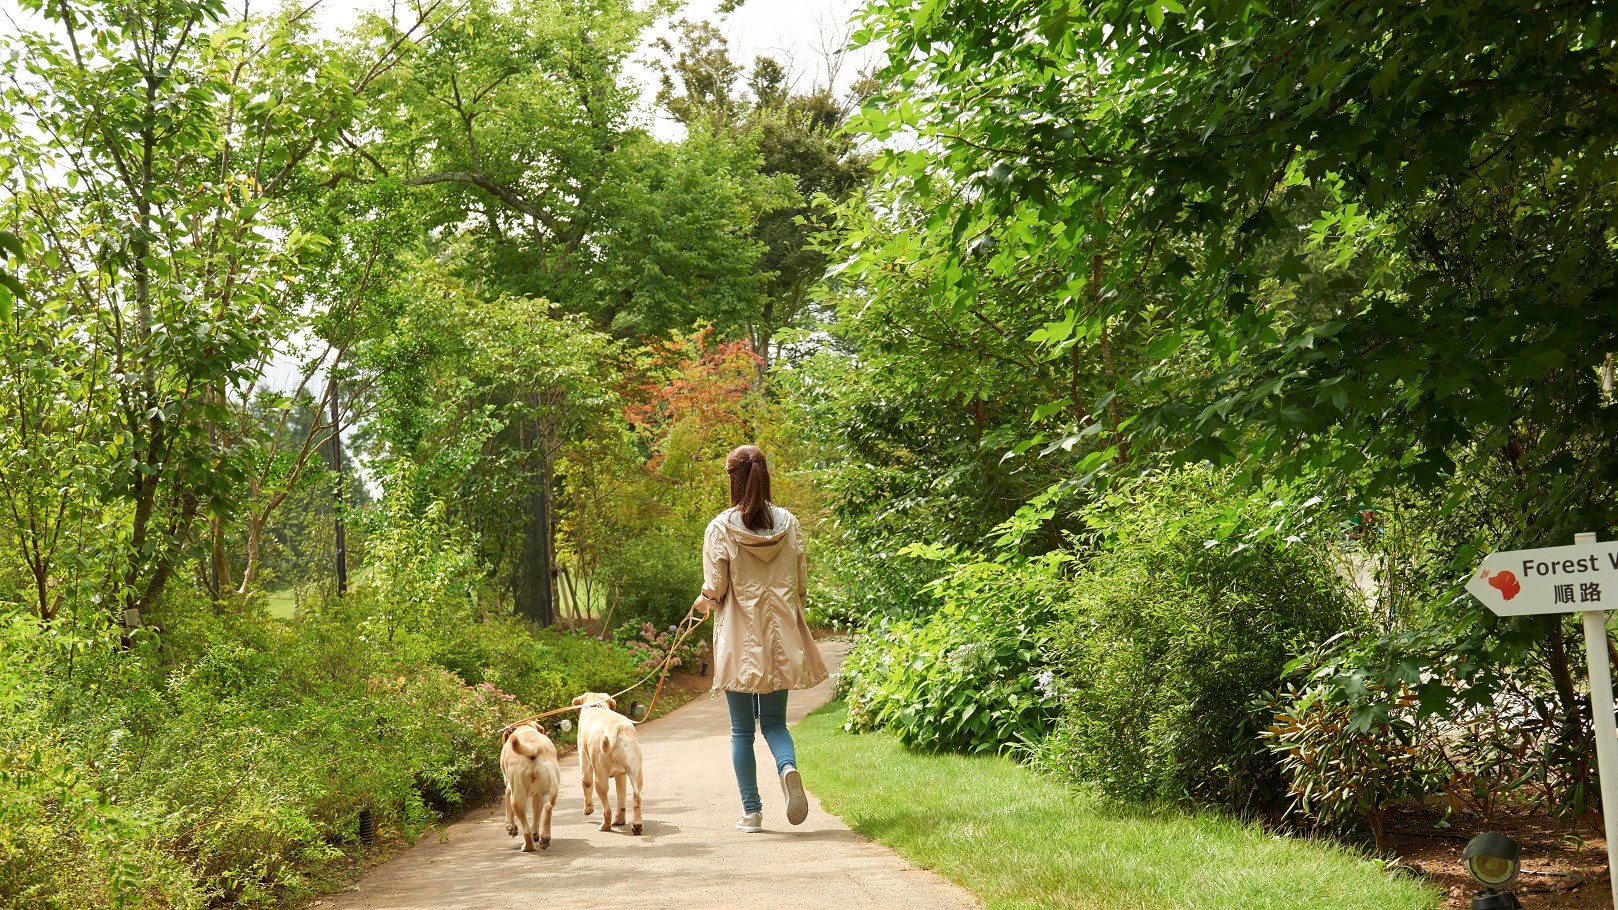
(853, 585)
(1348, 749)
(652, 578)
(1177, 625)
(648, 645)
(967, 678)
(63, 842)
(557, 665)
(227, 760)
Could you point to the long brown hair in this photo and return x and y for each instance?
(749, 486)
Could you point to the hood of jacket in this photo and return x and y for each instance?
(764, 544)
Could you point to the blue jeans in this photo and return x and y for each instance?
(772, 719)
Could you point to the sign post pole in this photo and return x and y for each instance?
(1606, 733)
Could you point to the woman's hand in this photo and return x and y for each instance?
(702, 604)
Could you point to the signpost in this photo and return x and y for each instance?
(1582, 578)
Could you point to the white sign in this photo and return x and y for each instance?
(1570, 579)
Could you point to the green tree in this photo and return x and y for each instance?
(483, 397)
(1364, 248)
(1472, 173)
(676, 243)
(800, 140)
(178, 134)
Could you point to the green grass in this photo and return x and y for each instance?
(1020, 840)
(281, 603)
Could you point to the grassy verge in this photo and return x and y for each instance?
(1019, 840)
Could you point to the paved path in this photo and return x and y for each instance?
(689, 857)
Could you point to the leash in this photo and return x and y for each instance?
(687, 626)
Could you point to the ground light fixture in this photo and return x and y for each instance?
(1493, 860)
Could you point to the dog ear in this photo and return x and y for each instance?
(612, 704)
(578, 701)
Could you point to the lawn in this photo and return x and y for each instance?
(1019, 840)
(281, 603)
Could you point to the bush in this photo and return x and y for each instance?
(227, 760)
(557, 665)
(1348, 749)
(652, 578)
(1184, 618)
(648, 646)
(967, 678)
(853, 585)
(63, 842)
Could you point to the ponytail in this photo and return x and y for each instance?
(750, 486)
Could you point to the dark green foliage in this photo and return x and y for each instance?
(652, 578)
(1173, 630)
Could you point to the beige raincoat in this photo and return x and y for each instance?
(759, 579)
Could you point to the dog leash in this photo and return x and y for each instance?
(687, 626)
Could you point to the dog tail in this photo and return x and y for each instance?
(607, 741)
(517, 744)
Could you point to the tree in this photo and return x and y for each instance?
(676, 242)
(508, 125)
(800, 140)
(1470, 172)
(1366, 249)
(482, 397)
(178, 132)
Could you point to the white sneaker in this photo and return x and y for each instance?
(797, 803)
(750, 822)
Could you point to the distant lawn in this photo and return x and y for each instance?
(281, 603)
(1019, 840)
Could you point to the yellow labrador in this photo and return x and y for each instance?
(608, 750)
(528, 762)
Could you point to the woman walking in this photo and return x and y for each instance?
(755, 574)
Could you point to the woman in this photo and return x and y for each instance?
(755, 574)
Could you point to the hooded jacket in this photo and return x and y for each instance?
(759, 578)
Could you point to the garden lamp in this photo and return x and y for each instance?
(1493, 860)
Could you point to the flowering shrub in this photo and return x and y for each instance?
(650, 644)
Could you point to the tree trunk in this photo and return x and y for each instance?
(552, 588)
(533, 586)
(1562, 676)
(761, 345)
(255, 540)
(219, 560)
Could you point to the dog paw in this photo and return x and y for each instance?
(527, 848)
(544, 843)
(589, 810)
(606, 826)
(511, 830)
(635, 830)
